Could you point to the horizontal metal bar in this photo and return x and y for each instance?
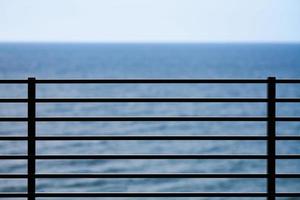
(288, 81)
(148, 156)
(290, 175)
(151, 156)
(13, 119)
(146, 175)
(288, 156)
(11, 100)
(145, 194)
(13, 157)
(11, 81)
(151, 137)
(13, 195)
(150, 81)
(166, 81)
(11, 137)
(288, 137)
(145, 100)
(149, 100)
(287, 100)
(151, 175)
(144, 118)
(13, 176)
(288, 119)
(147, 118)
(288, 194)
(165, 156)
(151, 194)
(164, 194)
(165, 175)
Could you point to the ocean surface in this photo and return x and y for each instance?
(43, 61)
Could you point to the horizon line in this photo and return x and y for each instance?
(148, 42)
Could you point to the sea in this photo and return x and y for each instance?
(122, 61)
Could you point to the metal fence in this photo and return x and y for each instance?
(32, 138)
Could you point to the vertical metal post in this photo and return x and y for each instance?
(31, 138)
(271, 144)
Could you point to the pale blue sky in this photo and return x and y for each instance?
(150, 20)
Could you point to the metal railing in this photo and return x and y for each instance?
(32, 138)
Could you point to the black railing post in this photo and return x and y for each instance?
(271, 144)
(31, 138)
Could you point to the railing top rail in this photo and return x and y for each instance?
(149, 81)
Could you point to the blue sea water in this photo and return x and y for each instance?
(43, 61)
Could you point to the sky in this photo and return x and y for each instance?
(150, 21)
